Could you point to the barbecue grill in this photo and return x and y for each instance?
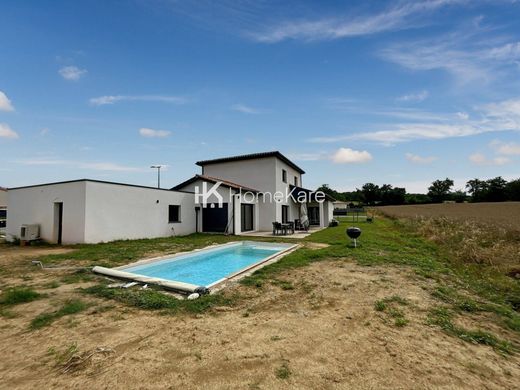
(353, 232)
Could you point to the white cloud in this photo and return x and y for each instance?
(43, 161)
(112, 99)
(508, 149)
(95, 166)
(107, 166)
(44, 131)
(505, 52)
(307, 156)
(462, 115)
(405, 132)
(416, 159)
(5, 103)
(480, 159)
(245, 109)
(395, 18)
(350, 156)
(7, 132)
(414, 97)
(506, 114)
(468, 56)
(72, 73)
(361, 107)
(494, 117)
(151, 133)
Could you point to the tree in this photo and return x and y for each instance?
(496, 189)
(458, 196)
(492, 190)
(329, 191)
(371, 193)
(513, 190)
(440, 189)
(417, 199)
(478, 189)
(392, 195)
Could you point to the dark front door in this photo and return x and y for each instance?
(214, 220)
(285, 214)
(246, 216)
(58, 221)
(314, 215)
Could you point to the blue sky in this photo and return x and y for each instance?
(401, 92)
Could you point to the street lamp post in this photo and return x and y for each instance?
(158, 167)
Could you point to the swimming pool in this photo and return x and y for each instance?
(203, 268)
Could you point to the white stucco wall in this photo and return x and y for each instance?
(35, 205)
(257, 173)
(294, 208)
(328, 212)
(116, 212)
(263, 174)
(246, 199)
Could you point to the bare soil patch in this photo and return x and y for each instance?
(323, 334)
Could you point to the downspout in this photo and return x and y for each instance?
(233, 215)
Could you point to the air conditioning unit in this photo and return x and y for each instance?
(29, 232)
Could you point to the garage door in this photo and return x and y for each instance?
(214, 220)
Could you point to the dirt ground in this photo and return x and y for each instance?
(323, 334)
(503, 213)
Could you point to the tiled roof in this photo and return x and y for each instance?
(252, 157)
(212, 179)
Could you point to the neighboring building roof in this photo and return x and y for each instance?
(213, 180)
(298, 190)
(94, 181)
(252, 157)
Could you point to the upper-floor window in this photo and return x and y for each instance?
(174, 213)
(284, 175)
(296, 181)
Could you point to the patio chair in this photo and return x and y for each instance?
(277, 228)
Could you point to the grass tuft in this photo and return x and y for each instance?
(63, 356)
(397, 314)
(380, 305)
(70, 307)
(283, 371)
(17, 295)
(151, 299)
(283, 284)
(443, 317)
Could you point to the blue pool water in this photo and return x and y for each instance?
(207, 267)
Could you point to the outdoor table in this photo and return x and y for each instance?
(286, 227)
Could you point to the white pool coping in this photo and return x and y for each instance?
(119, 272)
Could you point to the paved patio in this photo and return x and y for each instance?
(297, 234)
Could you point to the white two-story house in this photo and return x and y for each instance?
(251, 195)
(269, 175)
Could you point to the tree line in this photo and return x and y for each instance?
(476, 190)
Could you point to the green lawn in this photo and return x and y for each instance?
(460, 288)
(116, 253)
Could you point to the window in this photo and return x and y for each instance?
(284, 175)
(296, 181)
(285, 214)
(174, 213)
